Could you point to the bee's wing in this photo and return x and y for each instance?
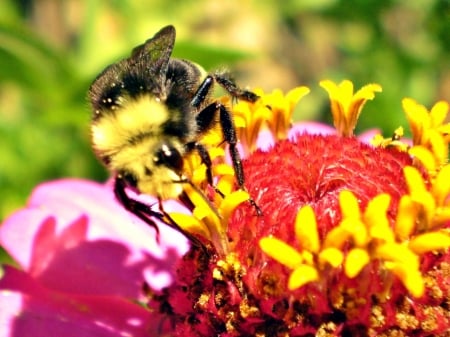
(155, 52)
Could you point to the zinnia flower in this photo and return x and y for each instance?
(353, 239)
(83, 264)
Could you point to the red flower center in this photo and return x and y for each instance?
(312, 170)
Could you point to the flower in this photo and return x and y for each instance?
(83, 264)
(353, 239)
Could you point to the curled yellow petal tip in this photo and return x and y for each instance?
(411, 278)
(230, 202)
(346, 106)
(349, 205)
(332, 256)
(441, 186)
(355, 261)
(302, 275)
(281, 251)
(191, 225)
(430, 242)
(406, 218)
(306, 229)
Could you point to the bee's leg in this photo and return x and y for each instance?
(226, 82)
(141, 210)
(229, 133)
(206, 159)
(203, 92)
(145, 213)
(206, 117)
(204, 121)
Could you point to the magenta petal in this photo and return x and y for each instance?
(265, 138)
(74, 237)
(367, 136)
(28, 309)
(17, 234)
(311, 128)
(72, 197)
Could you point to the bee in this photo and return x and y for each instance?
(149, 111)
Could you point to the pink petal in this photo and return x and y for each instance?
(28, 309)
(367, 136)
(265, 139)
(75, 237)
(311, 128)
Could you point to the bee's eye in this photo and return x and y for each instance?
(129, 178)
(169, 156)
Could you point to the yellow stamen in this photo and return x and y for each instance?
(337, 237)
(191, 224)
(281, 251)
(430, 242)
(425, 156)
(332, 256)
(411, 278)
(349, 205)
(398, 253)
(376, 219)
(273, 111)
(230, 202)
(249, 119)
(348, 229)
(438, 113)
(438, 146)
(441, 187)
(419, 192)
(306, 229)
(302, 275)
(406, 218)
(428, 128)
(418, 119)
(355, 261)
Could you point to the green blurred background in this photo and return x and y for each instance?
(50, 51)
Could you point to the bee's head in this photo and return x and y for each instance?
(152, 168)
(168, 155)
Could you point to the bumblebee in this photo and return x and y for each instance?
(149, 112)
